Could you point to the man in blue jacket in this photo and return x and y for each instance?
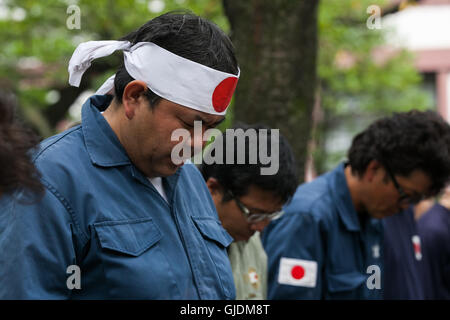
(403, 257)
(247, 198)
(434, 231)
(120, 218)
(328, 244)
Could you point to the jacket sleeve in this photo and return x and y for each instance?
(294, 241)
(36, 248)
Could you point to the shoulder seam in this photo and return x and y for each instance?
(51, 144)
(66, 205)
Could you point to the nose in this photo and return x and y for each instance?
(197, 142)
(260, 225)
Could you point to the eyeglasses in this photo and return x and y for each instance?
(404, 198)
(255, 217)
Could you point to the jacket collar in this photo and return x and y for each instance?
(105, 149)
(102, 144)
(341, 197)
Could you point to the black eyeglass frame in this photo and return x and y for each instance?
(254, 217)
(404, 197)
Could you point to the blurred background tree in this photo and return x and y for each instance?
(360, 78)
(37, 45)
(276, 46)
(276, 42)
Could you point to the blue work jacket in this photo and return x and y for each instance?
(318, 249)
(100, 214)
(434, 231)
(403, 264)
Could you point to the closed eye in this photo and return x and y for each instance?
(186, 124)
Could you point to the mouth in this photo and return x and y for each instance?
(249, 235)
(174, 165)
(389, 213)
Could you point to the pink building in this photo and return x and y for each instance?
(423, 27)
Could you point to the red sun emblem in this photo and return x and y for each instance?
(222, 94)
(297, 272)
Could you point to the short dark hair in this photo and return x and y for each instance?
(239, 177)
(186, 35)
(405, 142)
(17, 171)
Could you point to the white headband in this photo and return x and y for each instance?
(170, 76)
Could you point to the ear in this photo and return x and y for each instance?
(132, 97)
(372, 170)
(215, 188)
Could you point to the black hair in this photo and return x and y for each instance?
(17, 171)
(405, 142)
(186, 35)
(239, 177)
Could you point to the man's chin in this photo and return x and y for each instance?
(385, 214)
(245, 237)
(167, 172)
(164, 170)
(170, 169)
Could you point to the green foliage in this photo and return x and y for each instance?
(381, 87)
(37, 46)
(38, 30)
(353, 81)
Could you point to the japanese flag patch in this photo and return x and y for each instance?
(297, 272)
(417, 248)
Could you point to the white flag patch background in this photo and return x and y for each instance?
(297, 272)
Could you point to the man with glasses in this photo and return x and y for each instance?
(404, 198)
(328, 244)
(246, 202)
(434, 229)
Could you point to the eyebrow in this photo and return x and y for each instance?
(198, 117)
(257, 210)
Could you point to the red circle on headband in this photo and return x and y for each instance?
(222, 94)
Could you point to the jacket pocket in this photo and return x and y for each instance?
(131, 237)
(211, 230)
(133, 262)
(345, 285)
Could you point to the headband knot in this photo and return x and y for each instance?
(170, 76)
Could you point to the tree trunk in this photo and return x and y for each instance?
(276, 46)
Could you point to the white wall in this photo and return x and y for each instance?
(419, 27)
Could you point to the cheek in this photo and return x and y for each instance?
(232, 217)
(388, 205)
(384, 195)
(265, 223)
(386, 202)
(161, 141)
(392, 199)
(165, 135)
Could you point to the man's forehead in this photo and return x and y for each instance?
(263, 200)
(198, 115)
